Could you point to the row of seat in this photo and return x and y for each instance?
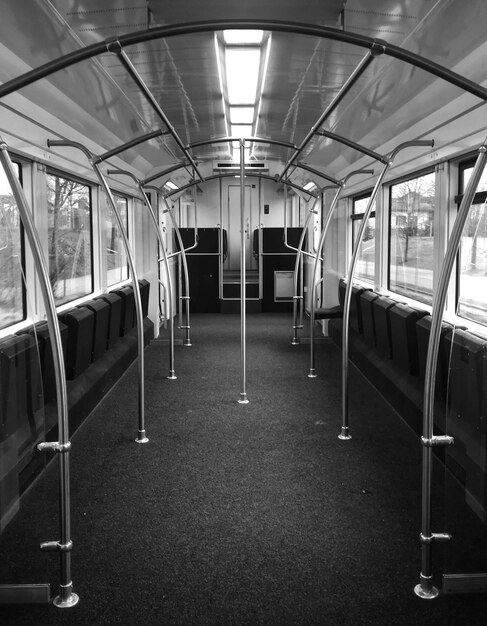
(95, 334)
(389, 340)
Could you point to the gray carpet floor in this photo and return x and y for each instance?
(239, 514)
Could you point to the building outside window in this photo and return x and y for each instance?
(117, 269)
(366, 260)
(472, 270)
(412, 207)
(69, 238)
(12, 290)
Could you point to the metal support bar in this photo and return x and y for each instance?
(352, 144)
(130, 144)
(425, 588)
(172, 375)
(274, 142)
(312, 370)
(182, 252)
(375, 50)
(312, 170)
(299, 255)
(127, 63)
(141, 435)
(232, 175)
(243, 394)
(66, 597)
(157, 175)
(188, 28)
(344, 433)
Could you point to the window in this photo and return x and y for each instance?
(117, 269)
(472, 273)
(412, 207)
(366, 260)
(69, 238)
(12, 308)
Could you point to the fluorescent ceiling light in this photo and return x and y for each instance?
(170, 185)
(243, 37)
(241, 115)
(242, 68)
(241, 130)
(309, 185)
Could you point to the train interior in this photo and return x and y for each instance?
(243, 312)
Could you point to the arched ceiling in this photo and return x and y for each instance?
(303, 75)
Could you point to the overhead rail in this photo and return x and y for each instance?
(127, 63)
(316, 172)
(141, 435)
(130, 144)
(344, 89)
(110, 172)
(275, 142)
(66, 598)
(168, 170)
(351, 144)
(314, 282)
(425, 588)
(248, 174)
(188, 28)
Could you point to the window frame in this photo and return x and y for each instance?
(387, 277)
(53, 171)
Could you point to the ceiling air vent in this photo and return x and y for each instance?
(230, 166)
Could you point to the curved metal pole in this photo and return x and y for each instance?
(182, 252)
(141, 436)
(425, 588)
(299, 256)
(188, 28)
(312, 370)
(344, 433)
(243, 394)
(67, 597)
(171, 375)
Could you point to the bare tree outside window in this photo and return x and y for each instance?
(69, 238)
(412, 237)
(11, 279)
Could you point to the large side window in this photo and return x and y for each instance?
(412, 207)
(366, 259)
(12, 300)
(69, 238)
(117, 269)
(472, 267)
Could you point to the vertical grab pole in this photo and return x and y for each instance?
(344, 433)
(172, 372)
(243, 395)
(141, 435)
(297, 265)
(66, 597)
(182, 249)
(425, 589)
(312, 370)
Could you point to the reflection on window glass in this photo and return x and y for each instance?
(411, 240)
(366, 259)
(117, 269)
(69, 238)
(472, 296)
(11, 285)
